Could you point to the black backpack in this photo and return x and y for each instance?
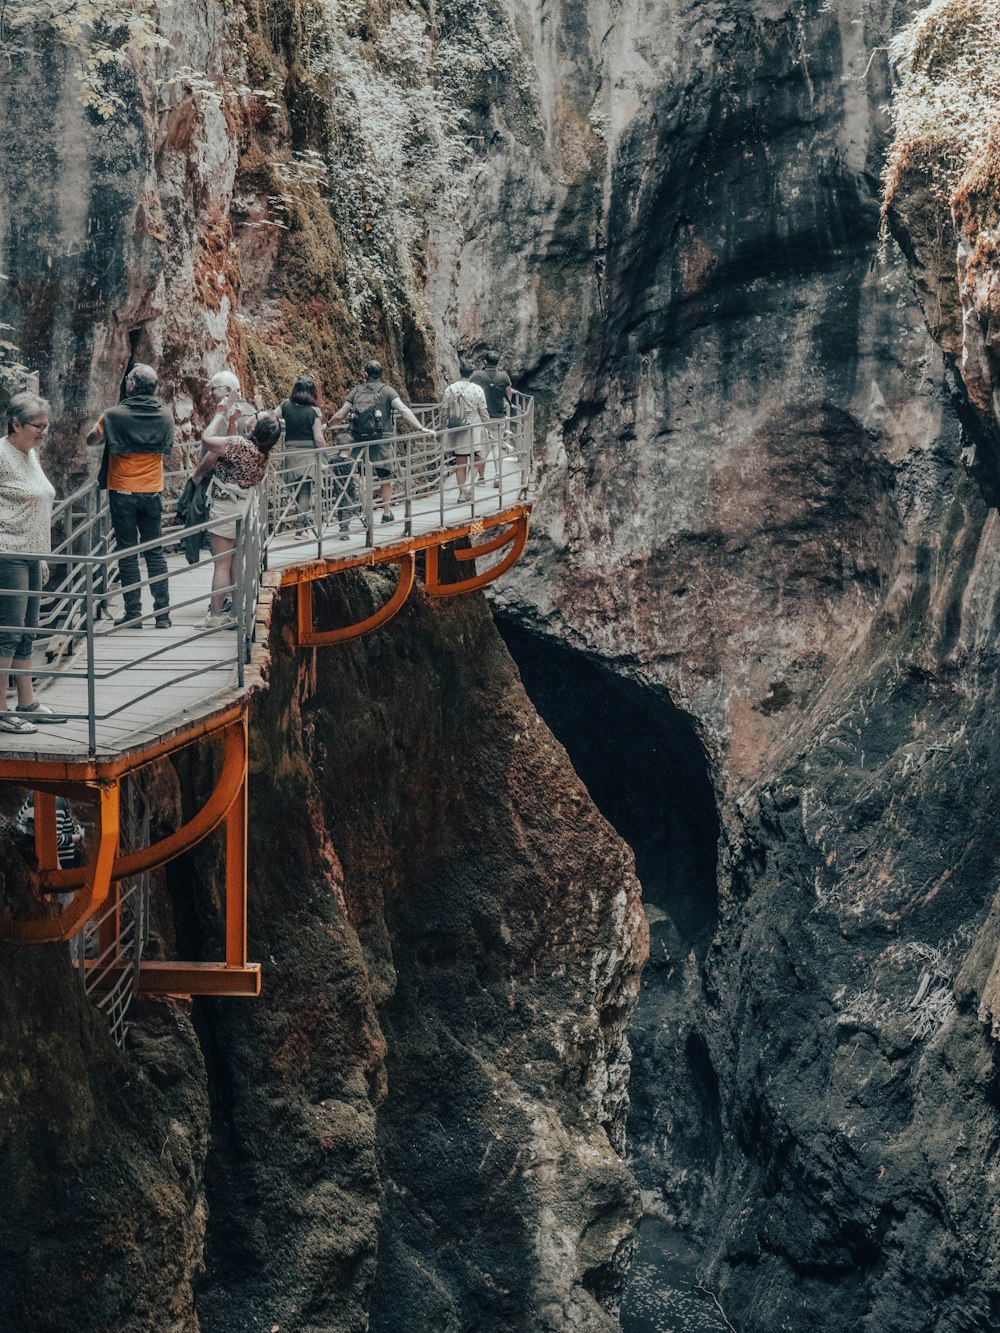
(496, 394)
(366, 420)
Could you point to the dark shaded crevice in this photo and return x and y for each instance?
(642, 763)
(645, 769)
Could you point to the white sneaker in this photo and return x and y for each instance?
(221, 621)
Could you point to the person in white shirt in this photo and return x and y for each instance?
(464, 407)
(26, 496)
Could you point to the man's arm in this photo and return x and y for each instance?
(400, 408)
(96, 433)
(340, 414)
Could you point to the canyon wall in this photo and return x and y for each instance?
(756, 532)
(422, 1121)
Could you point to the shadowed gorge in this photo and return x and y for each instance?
(643, 766)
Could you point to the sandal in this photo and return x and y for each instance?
(41, 712)
(19, 726)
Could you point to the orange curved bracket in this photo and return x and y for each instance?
(312, 638)
(95, 880)
(516, 534)
(231, 782)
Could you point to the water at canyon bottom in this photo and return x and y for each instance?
(662, 1295)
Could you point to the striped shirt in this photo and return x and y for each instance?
(68, 830)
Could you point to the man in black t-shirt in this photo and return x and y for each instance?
(371, 407)
(499, 391)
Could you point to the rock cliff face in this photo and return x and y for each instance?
(420, 1123)
(753, 511)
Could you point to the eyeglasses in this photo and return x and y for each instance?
(40, 428)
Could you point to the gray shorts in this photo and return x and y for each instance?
(18, 609)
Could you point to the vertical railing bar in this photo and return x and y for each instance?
(91, 665)
(369, 477)
(442, 472)
(408, 492)
(240, 599)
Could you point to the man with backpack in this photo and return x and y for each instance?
(369, 411)
(464, 407)
(495, 384)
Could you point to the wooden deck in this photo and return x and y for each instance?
(192, 675)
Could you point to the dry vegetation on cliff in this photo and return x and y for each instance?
(946, 111)
(942, 178)
(98, 34)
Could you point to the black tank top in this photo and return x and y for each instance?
(298, 418)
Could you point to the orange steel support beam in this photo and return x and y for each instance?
(46, 838)
(516, 534)
(310, 570)
(92, 883)
(212, 813)
(312, 638)
(56, 775)
(169, 978)
(236, 880)
(165, 978)
(95, 885)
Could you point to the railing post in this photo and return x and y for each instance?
(318, 502)
(240, 597)
(369, 488)
(91, 680)
(408, 492)
(442, 470)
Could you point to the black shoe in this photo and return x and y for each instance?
(389, 518)
(345, 534)
(227, 606)
(129, 618)
(163, 620)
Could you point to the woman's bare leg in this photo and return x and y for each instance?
(222, 574)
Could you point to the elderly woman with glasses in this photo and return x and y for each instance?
(26, 496)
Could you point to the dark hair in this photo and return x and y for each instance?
(374, 370)
(304, 391)
(492, 358)
(464, 369)
(266, 432)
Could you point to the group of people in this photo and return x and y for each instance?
(137, 435)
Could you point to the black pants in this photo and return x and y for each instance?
(136, 517)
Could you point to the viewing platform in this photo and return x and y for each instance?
(132, 694)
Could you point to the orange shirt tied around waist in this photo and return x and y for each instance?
(135, 472)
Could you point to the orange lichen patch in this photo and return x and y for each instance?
(182, 122)
(216, 272)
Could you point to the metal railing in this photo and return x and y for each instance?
(107, 951)
(316, 494)
(319, 492)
